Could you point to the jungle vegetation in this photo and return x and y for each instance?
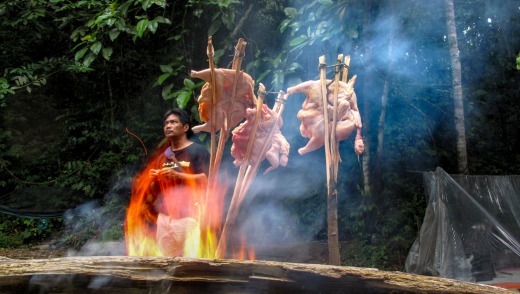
(80, 80)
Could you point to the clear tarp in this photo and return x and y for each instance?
(471, 229)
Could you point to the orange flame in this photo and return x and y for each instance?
(163, 220)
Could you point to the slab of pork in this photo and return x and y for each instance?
(311, 114)
(244, 98)
(278, 148)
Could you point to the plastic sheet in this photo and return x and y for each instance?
(470, 230)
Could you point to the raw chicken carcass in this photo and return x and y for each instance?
(311, 114)
(278, 149)
(244, 98)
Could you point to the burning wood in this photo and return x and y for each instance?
(117, 274)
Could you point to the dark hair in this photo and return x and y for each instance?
(183, 116)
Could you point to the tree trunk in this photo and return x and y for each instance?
(384, 103)
(124, 274)
(458, 97)
(366, 110)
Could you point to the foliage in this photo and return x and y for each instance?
(15, 231)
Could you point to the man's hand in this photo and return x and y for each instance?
(165, 173)
(168, 173)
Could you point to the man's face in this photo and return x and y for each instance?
(173, 127)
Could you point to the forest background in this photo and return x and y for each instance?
(81, 78)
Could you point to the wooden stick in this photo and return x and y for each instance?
(334, 143)
(236, 199)
(332, 219)
(325, 104)
(224, 131)
(346, 68)
(344, 78)
(213, 147)
(253, 170)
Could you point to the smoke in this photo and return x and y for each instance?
(96, 228)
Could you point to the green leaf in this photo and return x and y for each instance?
(214, 27)
(325, 2)
(176, 38)
(297, 41)
(146, 4)
(141, 27)
(166, 68)
(88, 60)
(162, 78)
(87, 38)
(262, 75)
(102, 18)
(189, 84)
(113, 34)
(161, 19)
(290, 12)
(153, 25)
(228, 19)
(284, 25)
(96, 47)
(161, 3)
(183, 98)
(518, 61)
(224, 3)
(166, 92)
(107, 53)
(80, 53)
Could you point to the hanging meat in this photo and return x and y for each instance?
(311, 114)
(244, 98)
(278, 148)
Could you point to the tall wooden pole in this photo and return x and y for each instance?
(331, 159)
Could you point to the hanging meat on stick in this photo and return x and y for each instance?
(243, 98)
(311, 114)
(278, 148)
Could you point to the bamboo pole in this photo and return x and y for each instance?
(252, 171)
(333, 142)
(346, 68)
(325, 103)
(224, 132)
(235, 199)
(213, 147)
(331, 159)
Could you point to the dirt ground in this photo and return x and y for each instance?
(32, 252)
(305, 253)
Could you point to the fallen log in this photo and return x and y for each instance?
(124, 274)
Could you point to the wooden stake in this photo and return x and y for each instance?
(346, 68)
(331, 159)
(236, 199)
(325, 104)
(252, 171)
(224, 132)
(213, 147)
(333, 142)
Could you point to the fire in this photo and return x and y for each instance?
(187, 221)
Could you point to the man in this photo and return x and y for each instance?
(179, 181)
(183, 160)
